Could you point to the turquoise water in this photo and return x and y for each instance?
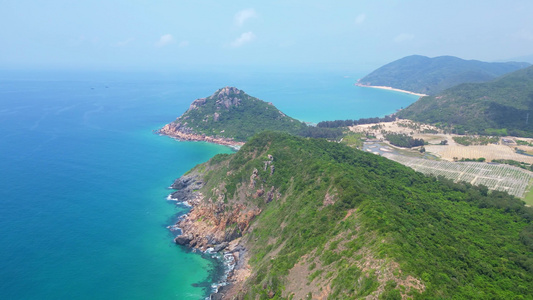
(83, 179)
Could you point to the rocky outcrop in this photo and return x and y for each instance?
(212, 222)
(185, 187)
(216, 224)
(224, 97)
(181, 132)
(197, 103)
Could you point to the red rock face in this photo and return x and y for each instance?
(176, 130)
(211, 223)
(215, 220)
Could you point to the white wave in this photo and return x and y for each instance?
(170, 198)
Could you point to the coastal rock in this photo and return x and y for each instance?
(221, 293)
(211, 221)
(185, 186)
(220, 247)
(184, 133)
(208, 220)
(184, 182)
(182, 239)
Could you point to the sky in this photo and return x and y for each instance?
(153, 35)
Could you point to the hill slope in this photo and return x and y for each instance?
(421, 74)
(228, 116)
(505, 103)
(319, 219)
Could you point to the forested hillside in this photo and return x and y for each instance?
(503, 106)
(321, 218)
(421, 74)
(232, 114)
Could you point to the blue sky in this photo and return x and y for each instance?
(153, 35)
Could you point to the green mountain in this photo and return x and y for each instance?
(232, 115)
(307, 218)
(503, 106)
(421, 74)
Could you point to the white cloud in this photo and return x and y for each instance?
(183, 44)
(165, 40)
(246, 37)
(124, 42)
(244, 15)
(404, 37)
(360, 19)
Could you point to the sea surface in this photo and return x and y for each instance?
(84, 180)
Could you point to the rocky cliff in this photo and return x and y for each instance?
(184, 133)
(212, 222)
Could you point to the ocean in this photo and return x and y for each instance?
(84, 180)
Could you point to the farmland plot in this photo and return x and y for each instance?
(499, 177)
(489, 152)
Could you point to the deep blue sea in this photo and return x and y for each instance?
(83, 179)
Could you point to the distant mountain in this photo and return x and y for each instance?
(230, 117)
(503, 106)
(421, 74)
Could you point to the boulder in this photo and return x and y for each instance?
(220, 246)
(182, 240)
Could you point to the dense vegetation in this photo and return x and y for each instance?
(321, 133)
(403, 140)
(346, 123)
(232, 113)
(475, 140)
(500, 107)
(515, 163)
(430, 76)
(523, 143)
(348, 216)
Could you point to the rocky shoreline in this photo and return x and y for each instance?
(199, 230)
(182, 133)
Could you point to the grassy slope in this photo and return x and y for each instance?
(338, 209)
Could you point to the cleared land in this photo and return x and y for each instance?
(500, 177)
(452, 149)
(489, 152)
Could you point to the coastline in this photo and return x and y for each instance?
(203, 229)
(176, 131)
(390, 89)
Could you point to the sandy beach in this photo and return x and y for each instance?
(390, 89)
